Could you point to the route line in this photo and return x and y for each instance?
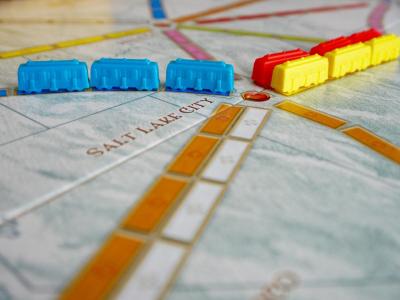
(72, 43)
(215, 10)
(159, 232)
(311, 114)
(157, 9)
(319, 9)
(10, 91)
(358, 133)
(189, 46)
(52, 21)
(374, 142)
(375, 19)
(252, 33)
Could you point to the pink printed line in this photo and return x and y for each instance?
(375, 19)
(191, 48)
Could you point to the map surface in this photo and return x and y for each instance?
(278, 207)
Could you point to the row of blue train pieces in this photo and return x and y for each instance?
(107, 74)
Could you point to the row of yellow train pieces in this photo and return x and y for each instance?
(293, 71)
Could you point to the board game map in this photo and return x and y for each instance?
(163, 195)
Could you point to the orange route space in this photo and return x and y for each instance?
(100, 275)
(311, 114)
(190, 159)
(154, 205)
(358, 133)
(222, 120)
(374, 142)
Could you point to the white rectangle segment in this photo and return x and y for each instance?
(189, 217)
(225, 160)
(248, 123)
(153, 274)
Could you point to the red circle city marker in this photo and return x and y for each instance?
(256, 96)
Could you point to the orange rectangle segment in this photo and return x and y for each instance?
(222, 120)
(374, 142)
(311, 114)
(190, 159)
(104, 270)
(147, 215)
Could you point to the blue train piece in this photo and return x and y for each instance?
(52, 76)
(124, 74)
(200, 76)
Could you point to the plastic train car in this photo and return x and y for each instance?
(52, 76)
(293, 71)
(183, 75)
(124, 74)
(201, 76)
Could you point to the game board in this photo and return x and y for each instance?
(163, 195)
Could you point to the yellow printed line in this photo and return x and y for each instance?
(120, 34)
(215, 10)
(374, 142)
(100, 275)
(29, 21)
(72, 43)
(78, 42)
(26, 51)
(225, 116)
(311, 114)
(151, 209)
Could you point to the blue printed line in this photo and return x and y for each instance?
(157, 9)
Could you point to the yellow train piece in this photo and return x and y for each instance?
(348, 59)
(384, 48)
(294, 76)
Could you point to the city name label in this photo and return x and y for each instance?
(130, 136)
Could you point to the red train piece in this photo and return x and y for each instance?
(264, 66)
